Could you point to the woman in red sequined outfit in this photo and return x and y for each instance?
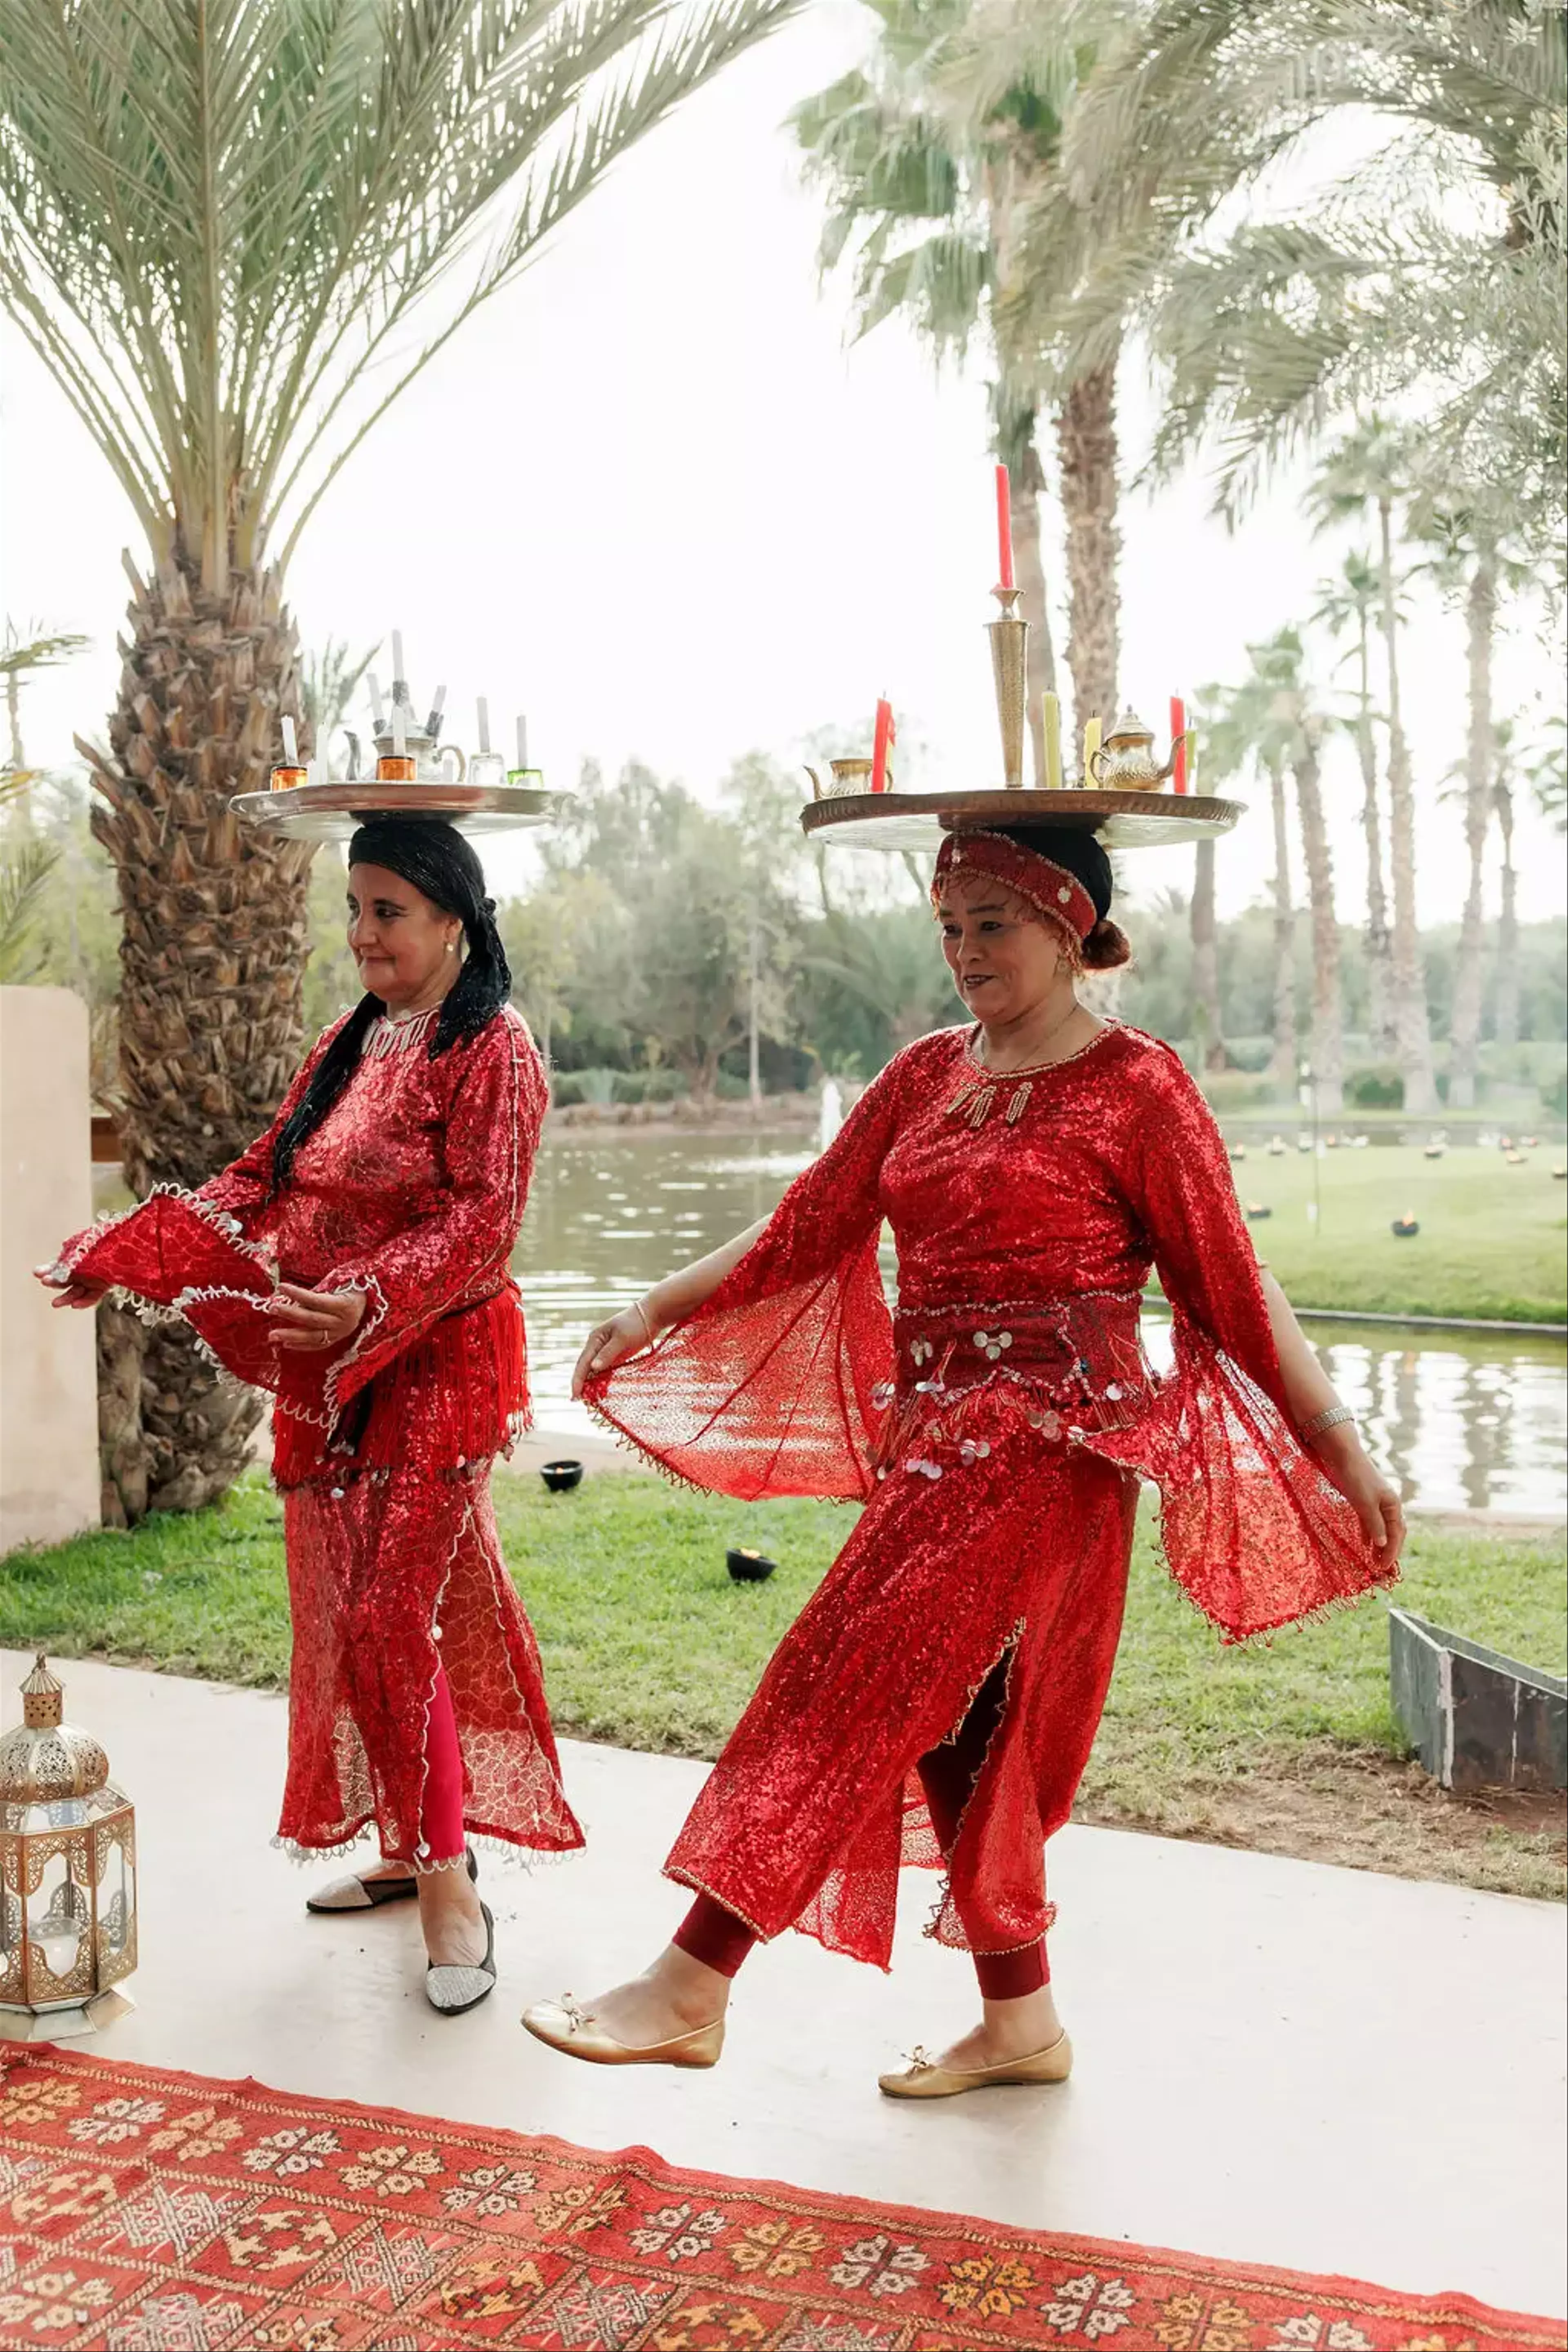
(354, 1261)
(936, 1700)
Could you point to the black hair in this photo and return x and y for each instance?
(1082, 854)
(443, 867)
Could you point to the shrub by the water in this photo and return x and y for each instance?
(1379, 1086)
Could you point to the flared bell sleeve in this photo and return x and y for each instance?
(772, 1385)
(1253, 1530)
(456, 1252)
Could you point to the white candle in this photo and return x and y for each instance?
(521, 741)
(399, 730)
(484, 724)
(432, 724)
(397, 677)
(376, 703)
(290, 742)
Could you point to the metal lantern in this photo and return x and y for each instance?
(67, 1875)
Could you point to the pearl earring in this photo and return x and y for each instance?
(451, 950)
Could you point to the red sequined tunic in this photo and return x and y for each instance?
(410, 1192)
(992, 1425)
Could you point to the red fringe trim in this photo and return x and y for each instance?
(457, 1395)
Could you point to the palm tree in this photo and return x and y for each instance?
(1299, 728)
(1472, 562)
(1349, 602)
(1434, 267)
(926, 189)
(221, 223)
(1209, 1019)
(1241, 733)
(1372, 465)
(1505, 985)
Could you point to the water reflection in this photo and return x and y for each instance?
(1466, 1421)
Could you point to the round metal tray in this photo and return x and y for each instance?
(333, 812)
(918, 820)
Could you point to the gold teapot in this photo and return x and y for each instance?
(1125, 761)
(848, 776)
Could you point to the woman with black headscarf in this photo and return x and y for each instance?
(354, 1261)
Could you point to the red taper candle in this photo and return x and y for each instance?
(1178, 744)
(1004, 530)
(882, 744)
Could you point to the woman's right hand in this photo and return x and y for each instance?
(611, 1343)
(80, 1294)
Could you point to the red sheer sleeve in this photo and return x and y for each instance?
(767, 1388)
(458, 1252)
(1253, 1530)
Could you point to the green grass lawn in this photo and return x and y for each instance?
(1493, 1239)
(648, 1644)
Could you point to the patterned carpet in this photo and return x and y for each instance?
(148, 2211)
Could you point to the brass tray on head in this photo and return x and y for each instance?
(918, 820)
(333, 812)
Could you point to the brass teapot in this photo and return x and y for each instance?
(1125, 761)
(848, 776)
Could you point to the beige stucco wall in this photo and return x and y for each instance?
(48, 1376)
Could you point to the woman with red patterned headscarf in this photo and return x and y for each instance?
(354, 1261)
(936, 1701)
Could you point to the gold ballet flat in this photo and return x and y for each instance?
(925, 2078)
(564, 2025)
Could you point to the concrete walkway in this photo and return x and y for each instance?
(1278, 2061)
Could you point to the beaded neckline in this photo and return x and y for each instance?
(1032, 1069)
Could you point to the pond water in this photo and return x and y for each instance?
(1466, 1421)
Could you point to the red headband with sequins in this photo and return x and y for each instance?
(1051, 887)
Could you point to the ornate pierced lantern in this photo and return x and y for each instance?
(67, 1875)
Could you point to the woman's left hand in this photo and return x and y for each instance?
(311, 1321)
(1376, 1505)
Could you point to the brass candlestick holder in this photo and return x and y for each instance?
(1009, 654)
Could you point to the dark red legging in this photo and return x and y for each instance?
(441, 1813)
(948, 1775)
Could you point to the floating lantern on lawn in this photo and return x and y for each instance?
(1406, 1227)
(67, 1875)
(748, 1567)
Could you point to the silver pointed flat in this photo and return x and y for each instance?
(454, 1987)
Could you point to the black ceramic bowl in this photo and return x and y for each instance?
(562, 1477)
(749, 1567)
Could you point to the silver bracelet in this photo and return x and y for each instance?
(1335, 1416)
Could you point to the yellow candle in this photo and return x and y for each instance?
(1053, 743)
(1093, 729)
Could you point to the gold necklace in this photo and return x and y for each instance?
(976, 1098)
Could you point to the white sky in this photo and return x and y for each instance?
(651, 497)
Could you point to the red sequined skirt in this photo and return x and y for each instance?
(990, 1538)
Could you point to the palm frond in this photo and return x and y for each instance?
(236, 233)
(24, 871)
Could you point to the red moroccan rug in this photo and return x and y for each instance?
(146, 2212)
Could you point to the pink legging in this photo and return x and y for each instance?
(441, 1816)
(948, 1775)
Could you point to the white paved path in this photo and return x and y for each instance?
(1276, 2061)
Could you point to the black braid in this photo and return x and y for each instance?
(442, 865)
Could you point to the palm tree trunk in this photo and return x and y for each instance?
(1413, 1033)
(1284, 940)
(1328, 1011)
(1482, 622)
(1205, 962)
(1505, 1007)
(1040, 675)
(1085, 444)
(1379, 967)
(214, 935)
